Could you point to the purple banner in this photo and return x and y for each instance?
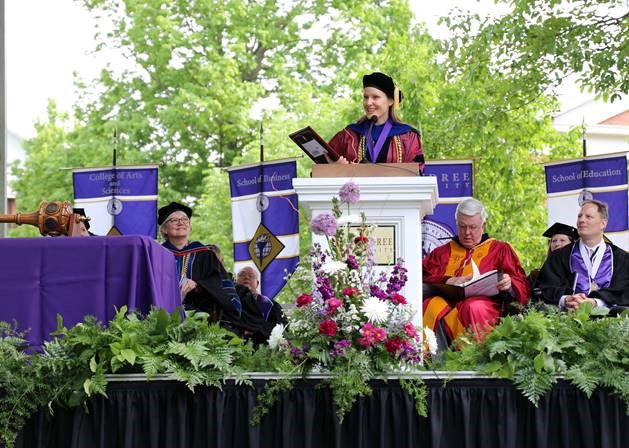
(262, 178)
(122, 197)
(119, 182)
(455, 181)
(265, 209)
(588, 173)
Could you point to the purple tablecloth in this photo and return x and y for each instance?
(74, 277)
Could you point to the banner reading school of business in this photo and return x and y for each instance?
(604, 178)
(455, 179)
(124, 198)
(265, 221)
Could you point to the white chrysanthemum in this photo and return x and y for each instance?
(332, 267)
(375, 310)
(431, 340)
(349, 219)
(277, 336)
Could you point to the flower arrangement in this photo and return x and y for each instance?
(350, 320)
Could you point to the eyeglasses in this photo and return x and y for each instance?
(471, 228)
(178, 220)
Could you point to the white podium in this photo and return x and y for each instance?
(397, 204)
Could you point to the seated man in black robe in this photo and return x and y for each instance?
(247, 279)
(588, 270)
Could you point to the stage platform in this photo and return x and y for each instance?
(468, 411)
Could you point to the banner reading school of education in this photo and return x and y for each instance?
(603, 178)
(455, 179)
(265, 221)
(121, 197)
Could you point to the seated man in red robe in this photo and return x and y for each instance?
(454, 263)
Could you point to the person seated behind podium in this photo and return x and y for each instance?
(204, 283)
(559, 235)
(452, 264)
(84, 226)
(247, 280)
(588, 270)
(379, 136)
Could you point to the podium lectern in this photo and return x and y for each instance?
(396, 202)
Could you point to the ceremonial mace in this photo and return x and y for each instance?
(52, 219)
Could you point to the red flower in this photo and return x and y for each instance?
(398, 299)
(349, 292)
(393, 345)
(303, 300)
(327, 327)
(361, 239)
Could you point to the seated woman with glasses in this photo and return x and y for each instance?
(203, 282)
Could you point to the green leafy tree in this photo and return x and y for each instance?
(540, 42)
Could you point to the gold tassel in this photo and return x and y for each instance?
(396, 97)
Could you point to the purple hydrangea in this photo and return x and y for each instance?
(324, 224)
(349, 193)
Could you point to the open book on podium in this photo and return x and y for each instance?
(484, 285)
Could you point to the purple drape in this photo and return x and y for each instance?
(74, 277)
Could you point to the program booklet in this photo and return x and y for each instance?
(313, 145)
(483, 285)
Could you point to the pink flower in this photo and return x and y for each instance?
(410, 330)
(303, 300)
(327, 327)
(333, 304)
(371, 335)
(398, 299)
(350, 292)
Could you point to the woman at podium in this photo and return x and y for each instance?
(379, 136)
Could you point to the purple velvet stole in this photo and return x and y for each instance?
(374, 151)
(603, 276)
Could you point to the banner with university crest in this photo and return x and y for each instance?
(455, 179)
(265, 221)
(119, 200)
(604, 178)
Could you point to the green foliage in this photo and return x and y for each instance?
(416, 388)
(538, 43)
(534, 349)
(74, 364)
(20, 391)
(267, 398)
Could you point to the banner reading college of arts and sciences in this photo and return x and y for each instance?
(455, 179)
(603, 178)
(121, 197)
(265, 221)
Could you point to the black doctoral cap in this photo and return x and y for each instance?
(563, 229)
(167, 210)
(381, 82)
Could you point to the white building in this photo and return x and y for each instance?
(606, 124)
